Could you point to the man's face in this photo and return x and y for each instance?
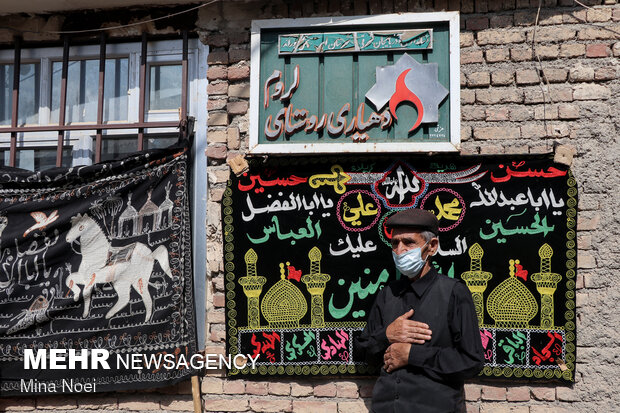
(405, 239)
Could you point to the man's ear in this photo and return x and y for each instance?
(433, 246)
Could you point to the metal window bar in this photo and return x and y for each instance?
(184, 124)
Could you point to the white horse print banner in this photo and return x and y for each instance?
(95, 276)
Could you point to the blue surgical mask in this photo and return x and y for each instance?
(410, 263)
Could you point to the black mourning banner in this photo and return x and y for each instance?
(95, 262)
(306, 251)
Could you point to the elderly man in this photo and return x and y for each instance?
(422, 328)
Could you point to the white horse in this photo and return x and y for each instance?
(124, 267)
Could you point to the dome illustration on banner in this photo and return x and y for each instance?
(409, 81)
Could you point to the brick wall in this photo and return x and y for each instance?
(524, 89)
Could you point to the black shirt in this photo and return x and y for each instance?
(433, 379)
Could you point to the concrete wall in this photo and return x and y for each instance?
(507, 107)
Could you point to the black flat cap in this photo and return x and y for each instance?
(414, 218)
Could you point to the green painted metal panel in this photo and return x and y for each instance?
(330, 81)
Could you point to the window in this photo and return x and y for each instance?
(141, 105)
(40, 96)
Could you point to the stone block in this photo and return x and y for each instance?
(128, 402)
(232, 138)
(546, 112)
(521, 113)
(597, 33)
(499, 95)
(178, 404)
(238, 55)
(469, 113)
(598, 15)
(477, 23)
(533, 131)
(585, 260)
(216, 104)
(234, 387)
(501, 20)
(468, 97)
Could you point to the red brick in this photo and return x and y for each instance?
(472, 392)
(301, 390)
(352, 407)
(518, 394)
(502, 78)
(259, 405)
(527, 77)
(472, 57)
(220, 57)
(544, 394)
(218, 300)
(234, 387)
(496, 114)
(216, 152)
(216, 104)
(257, 388)
(477, 23)
(238, 55)
(568, 111)
(497, 55)
(493, 393)
(347, 390)
(237, 108)
(605, 73)
(238, 73)
(312, 406)
(216, 40)
(366, 390)
(501, 20)
(572, 50)
(15, 404)
(178, 404)
(217, 72)
(279, 389)
(226, 405)
(493, 132)
(325, 390)
(598, 50)
(220, 88)
(218, 119)
(521, 55)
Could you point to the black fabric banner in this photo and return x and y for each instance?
(306, 251)
(95, 262)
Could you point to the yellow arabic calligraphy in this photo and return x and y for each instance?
(352, 215)
(337, 179)
(448, 210)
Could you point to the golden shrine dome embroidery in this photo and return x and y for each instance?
(511, 304)
(284, 304)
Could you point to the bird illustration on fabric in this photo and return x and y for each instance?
(42, 220)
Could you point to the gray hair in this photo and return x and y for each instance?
(428, 235)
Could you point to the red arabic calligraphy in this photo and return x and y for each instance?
(290, 181)
(551, 172)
